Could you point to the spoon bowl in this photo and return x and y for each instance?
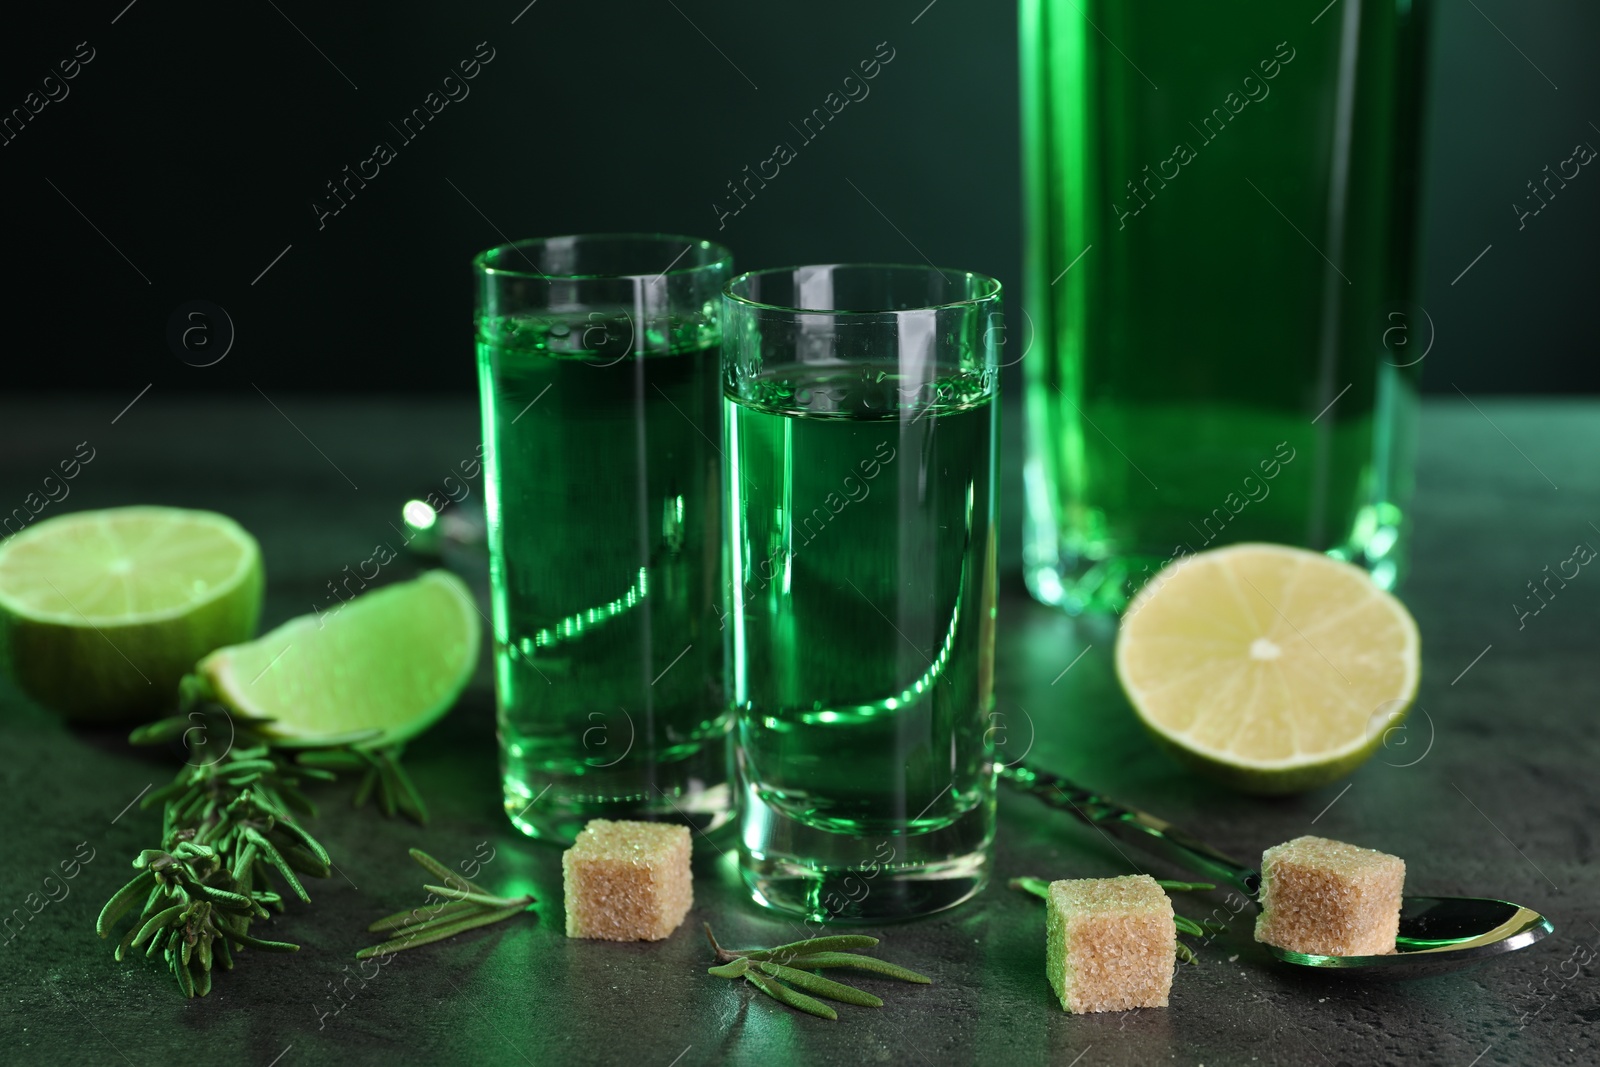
(1440, 934)
(1437, 934)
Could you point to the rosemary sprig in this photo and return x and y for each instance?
(226, 831)
(794, 964)
(815, 983)
(381, 773)
(464, 905)
(322, 759)
(229, 826)
(1039, 887)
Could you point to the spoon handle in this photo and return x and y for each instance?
(1138, 827)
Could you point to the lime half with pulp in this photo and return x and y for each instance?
(102, 612)
(1273, 668)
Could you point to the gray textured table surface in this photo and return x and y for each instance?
(1492, 793)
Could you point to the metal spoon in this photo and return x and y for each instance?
(1437, 934)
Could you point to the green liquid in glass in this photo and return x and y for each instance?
(861, 634)
(1219, 272)
(604, 535)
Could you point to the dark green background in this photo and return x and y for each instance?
(197, 138)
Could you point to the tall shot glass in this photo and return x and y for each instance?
(597, 367)
(861, 414)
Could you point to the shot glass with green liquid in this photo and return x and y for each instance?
(598, 370)
(1220, 223)
(861, 413)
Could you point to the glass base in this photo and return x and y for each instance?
(554, 807)
(1079, 584)
(824, 876)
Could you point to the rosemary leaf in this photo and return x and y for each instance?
(306, 841)
(224, 899)
(769, 968)
(266, 801)
(247, 766)
(297, 800)
(820, 960)
(274, 857)
(1184, 887)
(223, 952)
(440, 932)
(1186, 954)
(125, 944)
(409, 799)
(191, 805)
(364, 790)
(780, 992)
(241, 938)
(425, 925)
(160, 731)
(401, 920)
(1188, 926)
(241, 866)
(156, 922)
(165, 793)
(823, 987)
(305, 862)
(185, 979)
(451, 878)
(387, 789)
(477, 898)
(122, 900)
(833, 943)
(335, 759)
(1037, 886)
(157, 900)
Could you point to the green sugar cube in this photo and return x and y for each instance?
(1110, 943)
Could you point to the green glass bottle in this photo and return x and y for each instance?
(1220, 215)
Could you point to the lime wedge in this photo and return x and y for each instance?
(102, 612)
(1273, 668)
(392, 661)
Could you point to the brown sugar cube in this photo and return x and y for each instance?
(1110, 943)
(1327, 898)
(627, 881)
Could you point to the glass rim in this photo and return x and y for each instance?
(722, 259)
(992, 289)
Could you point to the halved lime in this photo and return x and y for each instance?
(391, 661)
(1274, 668)
(102, 612)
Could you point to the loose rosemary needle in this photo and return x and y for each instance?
(462, 905)
(768, 969)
